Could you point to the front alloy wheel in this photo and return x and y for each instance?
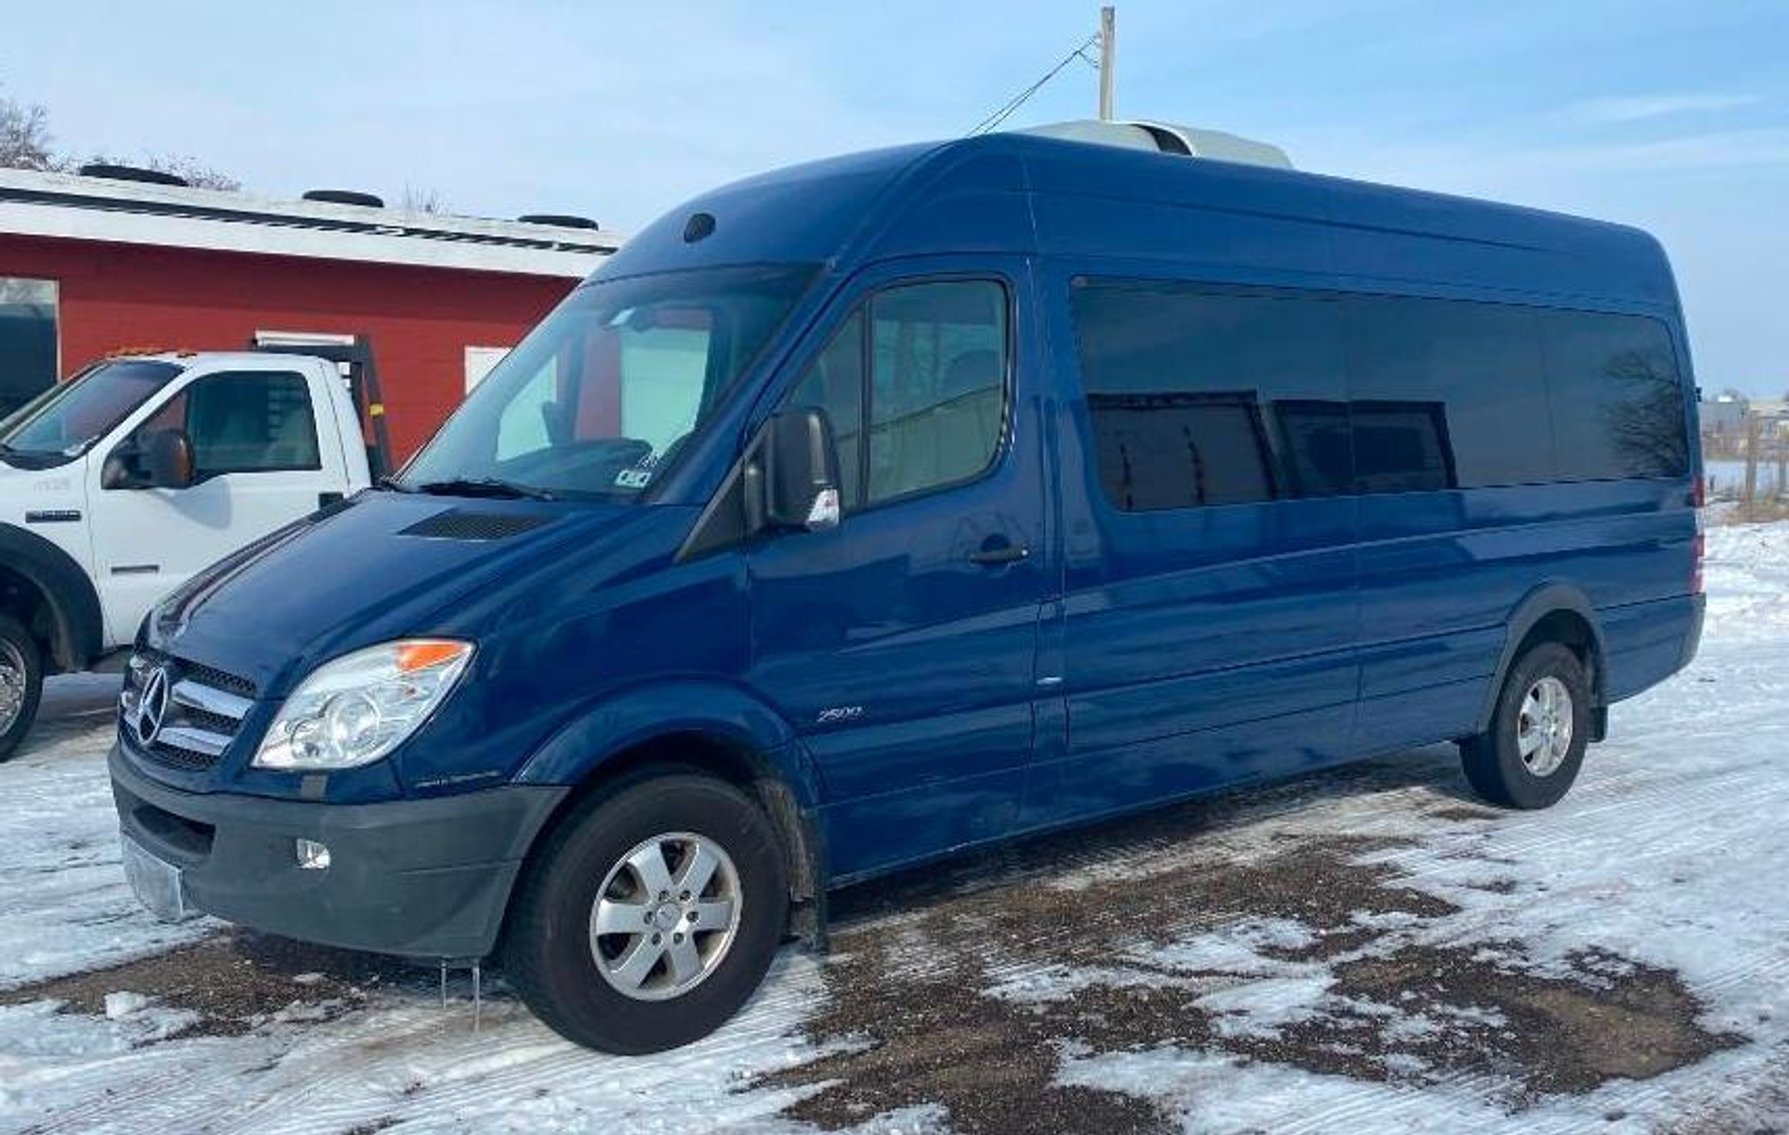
(21, 683)
(665, 916)
(650, 913)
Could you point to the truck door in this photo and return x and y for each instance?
(903, 643)
(263, 456)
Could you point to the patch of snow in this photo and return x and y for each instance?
(123, 1004)
(64, 904)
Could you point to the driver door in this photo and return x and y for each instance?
(258, 464)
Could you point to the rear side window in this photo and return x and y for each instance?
(1198, 397)
(914, 384)
(1446, 394)
(1617, 400)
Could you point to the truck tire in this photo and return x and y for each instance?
(650, 915)
(1531, 753)
(21, 683)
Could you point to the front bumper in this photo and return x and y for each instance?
(418, 878)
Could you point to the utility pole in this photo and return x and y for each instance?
(1754, 424)
(1108, 20)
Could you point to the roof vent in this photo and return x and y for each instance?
(563, 220)
(115, 172)
(1167, 138)
(345, 197)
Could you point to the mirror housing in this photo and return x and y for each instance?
(115, 472)
(168, 458)
(796, 470)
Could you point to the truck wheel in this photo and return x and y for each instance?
(21, 683)
(1531, 754)
(650, 915)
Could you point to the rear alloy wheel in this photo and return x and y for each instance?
(650, 915)
(1531, 754)
(21, 683)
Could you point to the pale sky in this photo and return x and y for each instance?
(1672, 116)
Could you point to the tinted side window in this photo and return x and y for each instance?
(937, 384)
(1446, 394)
(1617, 402)
(1199, 398)
(248, 422)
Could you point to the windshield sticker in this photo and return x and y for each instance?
(633, 478)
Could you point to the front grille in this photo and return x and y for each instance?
(204, 708)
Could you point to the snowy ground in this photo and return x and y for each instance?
(1365, 950)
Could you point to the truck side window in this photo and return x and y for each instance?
(934, 402)
(244, 422)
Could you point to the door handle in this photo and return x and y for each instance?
(992, 554)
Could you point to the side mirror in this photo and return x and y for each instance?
(797, 469)
(168, 458)
(114, 472)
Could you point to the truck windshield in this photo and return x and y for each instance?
(64, 421)
(598, 399)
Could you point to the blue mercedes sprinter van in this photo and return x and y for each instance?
(874, 509)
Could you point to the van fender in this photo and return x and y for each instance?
(1543, 600)
(77, 626)
(787, 780)
(612, 726)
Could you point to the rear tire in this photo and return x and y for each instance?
(1539, 729)
(612, 880)
(21, 683)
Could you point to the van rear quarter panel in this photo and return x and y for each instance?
(1219, 604)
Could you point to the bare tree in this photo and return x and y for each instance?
(25, 137)
(422, 200)
(1647, 421)
(194, 172)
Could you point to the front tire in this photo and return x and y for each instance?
(650, 916)
(21, 683)
(1539, 729)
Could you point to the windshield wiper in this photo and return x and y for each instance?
(482, 487)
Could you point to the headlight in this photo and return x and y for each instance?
(354, 710)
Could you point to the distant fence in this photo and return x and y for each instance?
(1749, 466)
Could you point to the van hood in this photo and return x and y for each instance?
(379, 566)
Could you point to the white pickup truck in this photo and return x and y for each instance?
(117, 486)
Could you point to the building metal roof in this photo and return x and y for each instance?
(72, 207)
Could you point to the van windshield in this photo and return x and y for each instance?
(597, 400)
(64, 421)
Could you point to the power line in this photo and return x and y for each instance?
(1023, 96)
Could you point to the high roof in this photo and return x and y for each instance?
(1026, 194)
(101, 209)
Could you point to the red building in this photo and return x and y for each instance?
(92, 266)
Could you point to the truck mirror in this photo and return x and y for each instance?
(799, 471)
(114, 473)
(169, 458)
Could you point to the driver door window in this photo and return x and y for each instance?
(243, 422)
(933, 402)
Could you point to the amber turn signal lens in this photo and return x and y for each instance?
(421, 654)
